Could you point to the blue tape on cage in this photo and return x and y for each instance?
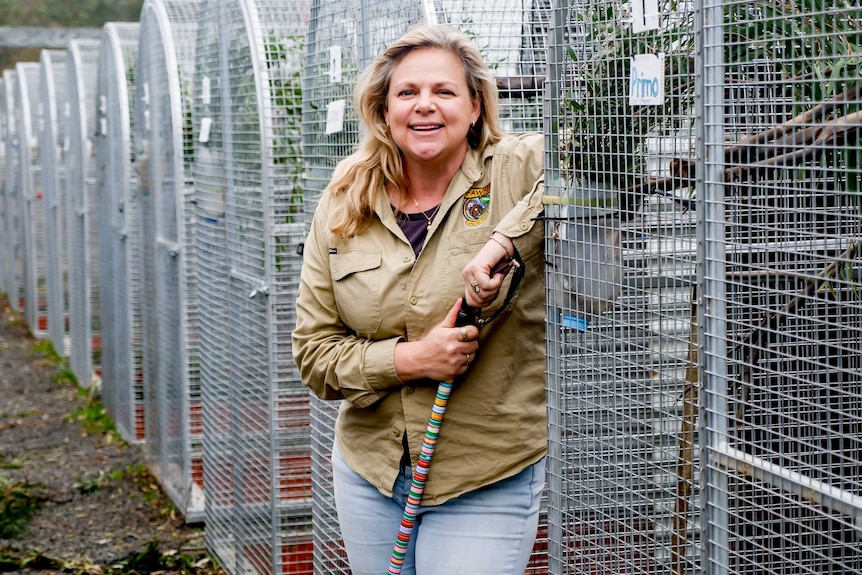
(575, 322)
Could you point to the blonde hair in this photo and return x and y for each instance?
(377, 160)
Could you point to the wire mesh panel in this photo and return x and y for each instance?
(620, 249)
(212, 271)
(4, 240)
(165, 154)
(119, 230)
(31, 213)
(52, 135)
(248, 178)
(342, 39)
(13, 246)
(783, 305)
(329, 72)
(85, 346)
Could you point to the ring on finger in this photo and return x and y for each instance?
(463, 333)
(469, 358)
(475, 285)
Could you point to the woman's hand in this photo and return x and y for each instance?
(484, 274)
(442, 355)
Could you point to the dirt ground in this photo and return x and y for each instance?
(98, 509)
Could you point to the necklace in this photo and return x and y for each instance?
(428, 218)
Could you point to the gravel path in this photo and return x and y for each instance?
(101, 512)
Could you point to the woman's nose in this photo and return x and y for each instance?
(424, 102)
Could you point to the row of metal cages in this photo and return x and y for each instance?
(702, 224)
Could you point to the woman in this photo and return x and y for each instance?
(429, 209)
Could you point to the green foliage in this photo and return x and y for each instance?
(46, 348)
(94, 419)
(152, 560)
(18, 503)
(606, 132)
(88, 486)
(65, 376)
(14, 463)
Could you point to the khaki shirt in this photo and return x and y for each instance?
(359, 296)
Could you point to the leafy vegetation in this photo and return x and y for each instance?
(19, 501)
(94, 419)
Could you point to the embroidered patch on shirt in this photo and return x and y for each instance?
(476, 203)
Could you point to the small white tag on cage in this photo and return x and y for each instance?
(146, 97)
(334, 64)
(644, 15)
(103, 103)
(335, 116)
(206, 127)
(103, 126)
(146, 120)
(646, 87)
(205, 91)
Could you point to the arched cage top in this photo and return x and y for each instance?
(27, 106)
(115, 106)
(81, 71)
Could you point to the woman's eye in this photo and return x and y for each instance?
(405, 93)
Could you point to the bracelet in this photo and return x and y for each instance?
(508, 255)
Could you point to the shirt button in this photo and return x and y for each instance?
(396, 433)
(414, 300)
(524, 226)
(407, 259)
(410, 389)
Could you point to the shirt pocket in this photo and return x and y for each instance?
(356, 286)
(463, 247)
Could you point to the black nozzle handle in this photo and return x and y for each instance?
(467, 315)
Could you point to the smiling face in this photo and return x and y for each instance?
(429, 108)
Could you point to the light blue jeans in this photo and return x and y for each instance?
(489, 531)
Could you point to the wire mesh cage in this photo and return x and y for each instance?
(85, 345)
(52, 136)
(783, 314)
(165, 156)
(342, 40)
(12, 246)
(621, 276)
(31, 213)
(119, 231)
(249, 224)
(212, 271)
(4, 239)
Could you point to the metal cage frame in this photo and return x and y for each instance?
(119, 233)
(53, 144)
(30, 211)
(170, 336)
(85, 346)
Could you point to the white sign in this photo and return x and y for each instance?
(646, 86)
(644, 15)
(206, 128)
(335, 116)
(334, 64)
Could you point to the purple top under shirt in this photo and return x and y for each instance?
(415, 226)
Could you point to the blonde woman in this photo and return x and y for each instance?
(432, 207)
